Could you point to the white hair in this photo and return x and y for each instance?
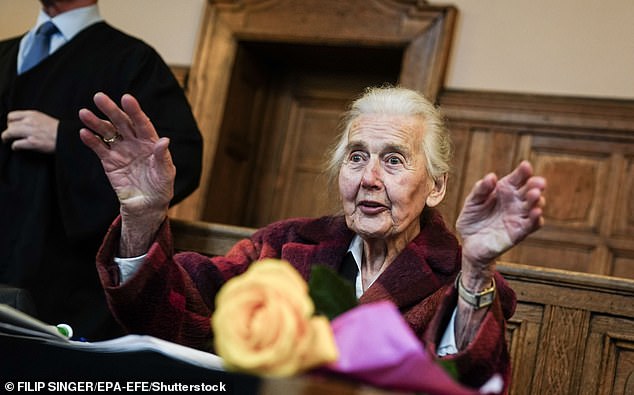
(436, 142)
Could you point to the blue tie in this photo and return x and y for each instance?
(40, 47)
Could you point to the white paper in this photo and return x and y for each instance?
(18, 324)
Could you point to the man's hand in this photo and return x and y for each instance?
(497, 215)
(31, 130)
(137, 164)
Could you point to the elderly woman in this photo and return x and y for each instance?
(391, 163)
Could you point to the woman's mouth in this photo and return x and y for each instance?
(368, 207)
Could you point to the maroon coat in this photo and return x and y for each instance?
(172, 296)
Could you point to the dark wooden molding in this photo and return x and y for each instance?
(614, 119)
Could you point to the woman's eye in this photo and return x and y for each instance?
(394, 160)
(355, 158)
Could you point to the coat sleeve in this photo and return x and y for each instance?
(171, 296)
(487, 354)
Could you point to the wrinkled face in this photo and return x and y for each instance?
(383, 180)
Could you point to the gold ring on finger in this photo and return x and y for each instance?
(113, 139)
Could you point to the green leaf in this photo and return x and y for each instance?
(331, 293)
(449, 367)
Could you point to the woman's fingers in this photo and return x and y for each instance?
(165, 167)
(127, 122)
(97, 125)
(482, 189)
(94, 142)
(119, 119)
(140, 122)
(520, 174)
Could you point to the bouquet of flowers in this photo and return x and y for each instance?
(269, 321)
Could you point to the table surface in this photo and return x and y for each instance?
(29, 360)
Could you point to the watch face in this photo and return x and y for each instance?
(478, 300)
(487, 299)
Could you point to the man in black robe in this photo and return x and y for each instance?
(55, 201)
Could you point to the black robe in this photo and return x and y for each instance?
(56, 208)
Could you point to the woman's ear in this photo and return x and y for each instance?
(438, 192)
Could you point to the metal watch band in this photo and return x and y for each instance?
(477, 299)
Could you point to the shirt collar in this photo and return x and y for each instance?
(71, 22)
(356, 249)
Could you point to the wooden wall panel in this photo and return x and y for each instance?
(623, 264)
(563, 340)
(624, 218)
(556, 254)
(611, 349)
(584, 148)
(583, 341)
(490, 150)
(295, 183)
(523, 331)
(454, 198)
(312, 129)
(576, 185)
(239, 141)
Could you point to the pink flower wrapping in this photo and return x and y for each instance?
(377, 347)
(266, 324)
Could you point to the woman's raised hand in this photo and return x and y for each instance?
(136, 161)
(498, 214)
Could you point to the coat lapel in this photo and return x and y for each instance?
(321, 242)
(428, 262)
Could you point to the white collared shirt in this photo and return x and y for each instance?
(356, 249)
(68, 23)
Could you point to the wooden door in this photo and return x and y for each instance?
(271, 79)
(282, 116)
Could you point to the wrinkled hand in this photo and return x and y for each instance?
(497, 215)
(138, 166)
(31, 130)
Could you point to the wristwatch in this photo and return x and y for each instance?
(476, 299)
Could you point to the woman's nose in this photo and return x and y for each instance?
(372, 175)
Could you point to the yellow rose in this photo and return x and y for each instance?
(264, 323)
